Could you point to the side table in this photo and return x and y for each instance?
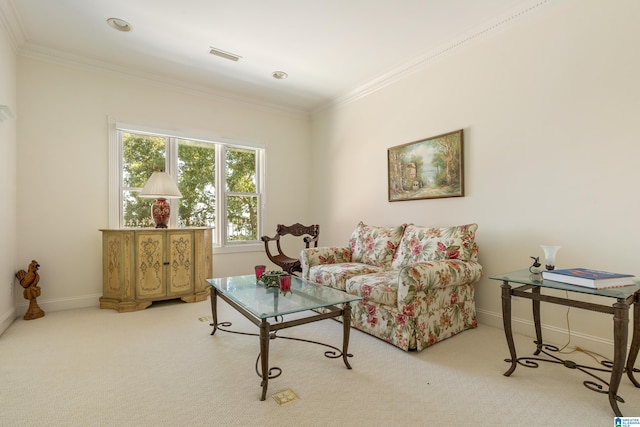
(531, 287)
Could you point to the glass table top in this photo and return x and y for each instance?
(524, 277)
(263, 302)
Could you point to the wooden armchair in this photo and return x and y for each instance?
(288, 264)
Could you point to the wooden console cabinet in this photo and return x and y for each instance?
(143, 265)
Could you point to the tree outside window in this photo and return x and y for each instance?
(195, 163)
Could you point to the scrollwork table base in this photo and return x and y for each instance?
(530, 286)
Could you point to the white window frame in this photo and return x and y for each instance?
(221, 245)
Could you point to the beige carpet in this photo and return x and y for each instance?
(160, 366)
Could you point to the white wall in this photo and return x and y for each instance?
(8, 262)
(63, 166)
(548, 109)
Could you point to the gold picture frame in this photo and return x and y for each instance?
(431, 168)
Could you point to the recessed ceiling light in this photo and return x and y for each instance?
(280, 75)
(119, 24)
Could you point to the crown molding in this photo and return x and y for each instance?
(10, 22)
(488, 29)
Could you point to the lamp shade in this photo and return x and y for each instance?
(160, 186)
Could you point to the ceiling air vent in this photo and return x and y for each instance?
(223, 54)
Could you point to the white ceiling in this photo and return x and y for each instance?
(331, 49)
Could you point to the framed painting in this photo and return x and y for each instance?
(431, 168)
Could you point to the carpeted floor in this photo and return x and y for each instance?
(161, 366)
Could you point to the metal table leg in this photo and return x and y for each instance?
(506, 320)
(635, 341)
(536, 320)
(346, 330)
(264, 356)
(620, 331)
(214, 309)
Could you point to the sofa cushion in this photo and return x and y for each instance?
(375, 245)
(336, 275)
(381, 287)
(420, 244)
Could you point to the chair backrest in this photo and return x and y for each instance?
(287, 263)
(311, 232)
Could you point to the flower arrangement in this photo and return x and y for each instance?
(271, 278)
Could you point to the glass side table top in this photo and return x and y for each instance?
(263, 302)
(524, 277)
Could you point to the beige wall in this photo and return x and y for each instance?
(548, 109)
(8, 261)
(63, 166)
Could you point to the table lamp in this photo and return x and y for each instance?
(160, 187)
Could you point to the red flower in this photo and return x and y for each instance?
(366, 291)
(442, 247)
(372, 320)
(369, 243)
(453, 254)
(371, 310)
(432, 338)
(407, 310)
(454, 298)
(401, 320)
(328, 260)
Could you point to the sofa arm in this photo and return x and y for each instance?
(316, 256)
(419, 280)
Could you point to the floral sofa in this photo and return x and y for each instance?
(417, 283)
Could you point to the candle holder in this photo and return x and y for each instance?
(285, 283)
(550, 253)
(260, 269)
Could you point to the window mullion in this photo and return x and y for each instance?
(221, 195)
(171, 165)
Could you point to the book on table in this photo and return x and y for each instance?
(589, 278)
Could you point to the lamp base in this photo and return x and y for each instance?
(160, 211)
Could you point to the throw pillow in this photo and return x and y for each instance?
(375, 245)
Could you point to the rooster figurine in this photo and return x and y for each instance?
(29, 281)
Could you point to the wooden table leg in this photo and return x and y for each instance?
(506, 320)
(620, 331)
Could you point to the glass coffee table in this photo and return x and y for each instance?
(259, 304)
(622, 299)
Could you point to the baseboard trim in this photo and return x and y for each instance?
(60, 304)
(551, 334)
(7, 319)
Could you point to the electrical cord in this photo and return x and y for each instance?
(589, 353)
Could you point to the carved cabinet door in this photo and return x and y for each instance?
(150, 269)
(116, 263)
(180, 257)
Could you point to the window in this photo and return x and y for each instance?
(213, 177)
